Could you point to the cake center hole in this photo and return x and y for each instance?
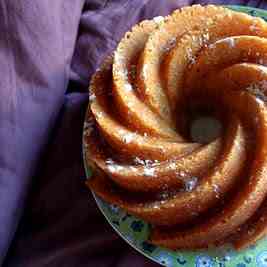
(205, 129)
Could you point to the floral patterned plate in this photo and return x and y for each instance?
(135, 231)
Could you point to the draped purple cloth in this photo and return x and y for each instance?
(48, 52)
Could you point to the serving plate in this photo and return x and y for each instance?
(135, 231)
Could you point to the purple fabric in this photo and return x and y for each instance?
(49, 50)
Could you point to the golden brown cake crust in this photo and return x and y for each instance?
(142, 101)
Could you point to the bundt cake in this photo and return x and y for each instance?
(165, 74)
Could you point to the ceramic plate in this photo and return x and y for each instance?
(135, 231)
